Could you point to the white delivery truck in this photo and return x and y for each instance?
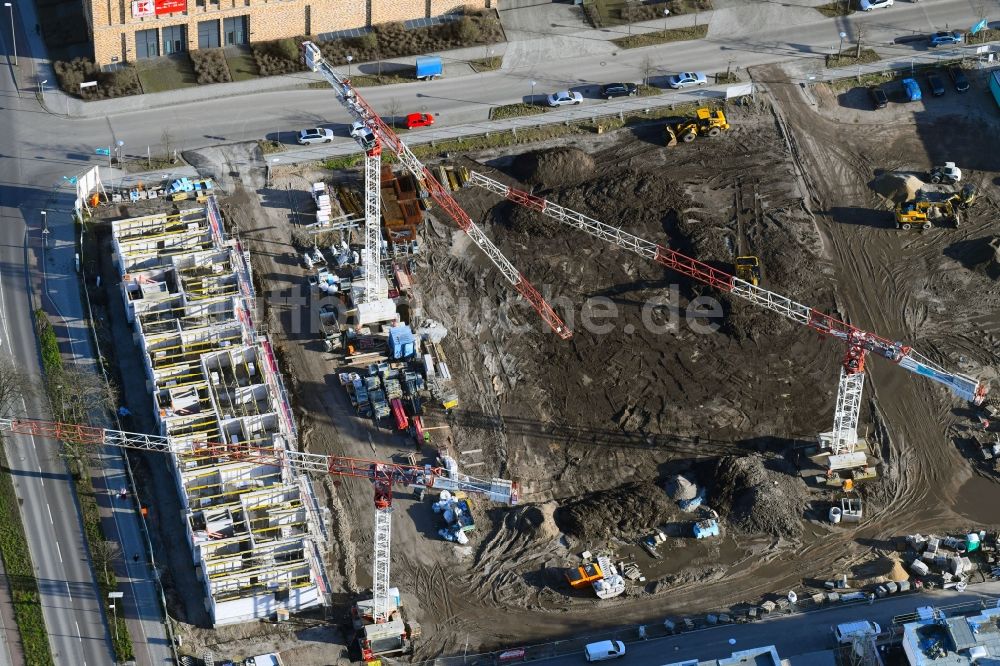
(849, 631)
(603, 650)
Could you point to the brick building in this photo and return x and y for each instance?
(129, 30)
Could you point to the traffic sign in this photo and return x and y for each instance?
(979, 26)
(103, 151)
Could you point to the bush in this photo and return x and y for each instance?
(465, 29)
(366, 42)
(280, 56)
(120, 82)
(210, 66)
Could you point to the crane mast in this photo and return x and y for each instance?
(373, 233)
(860, 343)
(361, 111)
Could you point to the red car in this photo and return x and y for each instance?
(419, 120)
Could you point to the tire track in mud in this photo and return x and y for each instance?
(874, 286)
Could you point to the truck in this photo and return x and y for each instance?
(995, 85)
(429, 67)
(849, 631)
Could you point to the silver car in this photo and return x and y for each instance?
(307, 137)
(563, 98)
(686, 80)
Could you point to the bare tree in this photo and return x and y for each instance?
(861, 35)
(104, 554)
(167, 141)
(392, 106)
(15, 385)
(75, 393)
(647, 69)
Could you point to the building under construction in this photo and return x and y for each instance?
(255, 529)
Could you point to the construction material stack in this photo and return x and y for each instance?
(324, 208)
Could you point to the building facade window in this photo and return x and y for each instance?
(147, 44)
(174, 39)
(236, 29)
(208, 34)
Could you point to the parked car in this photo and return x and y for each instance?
(879, 99)
(945, 38)
(958, 78)
(868, 5)
(364, 136)
(603, 650)
(686, 80)
(936, 84)
(307, 137)
(619, 90)
(912, 90)
(418, 120)
(563, 98)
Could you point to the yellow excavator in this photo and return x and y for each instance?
(748, 269)
(930, 208)
(705, 123)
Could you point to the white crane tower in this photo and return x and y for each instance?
(387, 139)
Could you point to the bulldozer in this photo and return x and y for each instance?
(931, 207)
(705, 123)
(748, 269)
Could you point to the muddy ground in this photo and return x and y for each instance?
(645, 390)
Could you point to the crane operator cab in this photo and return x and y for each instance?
(364, 136)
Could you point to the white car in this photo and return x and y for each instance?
(307, 137)
(563, 98)
(868, 5)
(686, 80)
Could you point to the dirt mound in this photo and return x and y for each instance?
(538, 520)
(621, 511)
(757, 499)
(554, 168)
(897, 187)
(681, 488)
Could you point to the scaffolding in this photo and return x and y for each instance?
(253, 526)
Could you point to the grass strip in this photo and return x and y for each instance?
(662, 37)
(850, 57)
(90, 512)
(20, 573)
(518, 110)
(835, 9)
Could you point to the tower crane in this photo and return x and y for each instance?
(843, 438)
(365, 115)
(380, 627)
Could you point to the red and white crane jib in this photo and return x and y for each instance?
(359, 108)
(858, 341)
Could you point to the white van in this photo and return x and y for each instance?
(604, 650)
(847, 632)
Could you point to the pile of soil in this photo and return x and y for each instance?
(681, 488)
(554, 167)
(897, 187)
(757, 499)
(625, 510)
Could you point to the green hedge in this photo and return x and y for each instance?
(106, 580)
(20, 573)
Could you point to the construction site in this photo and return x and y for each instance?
(755, 360)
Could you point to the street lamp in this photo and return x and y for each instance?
(840, 49)
(532, 99)
(349, 59)
(666, 13)
(45, 228)
(115, 595)
(118, 153)
(13, 37)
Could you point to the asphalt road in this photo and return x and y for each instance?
(32, 170)
(792, 635)
(467, 99)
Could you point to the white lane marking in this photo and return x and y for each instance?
(59, 551)
(68, 593)
(78, 634)
(47, 508)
